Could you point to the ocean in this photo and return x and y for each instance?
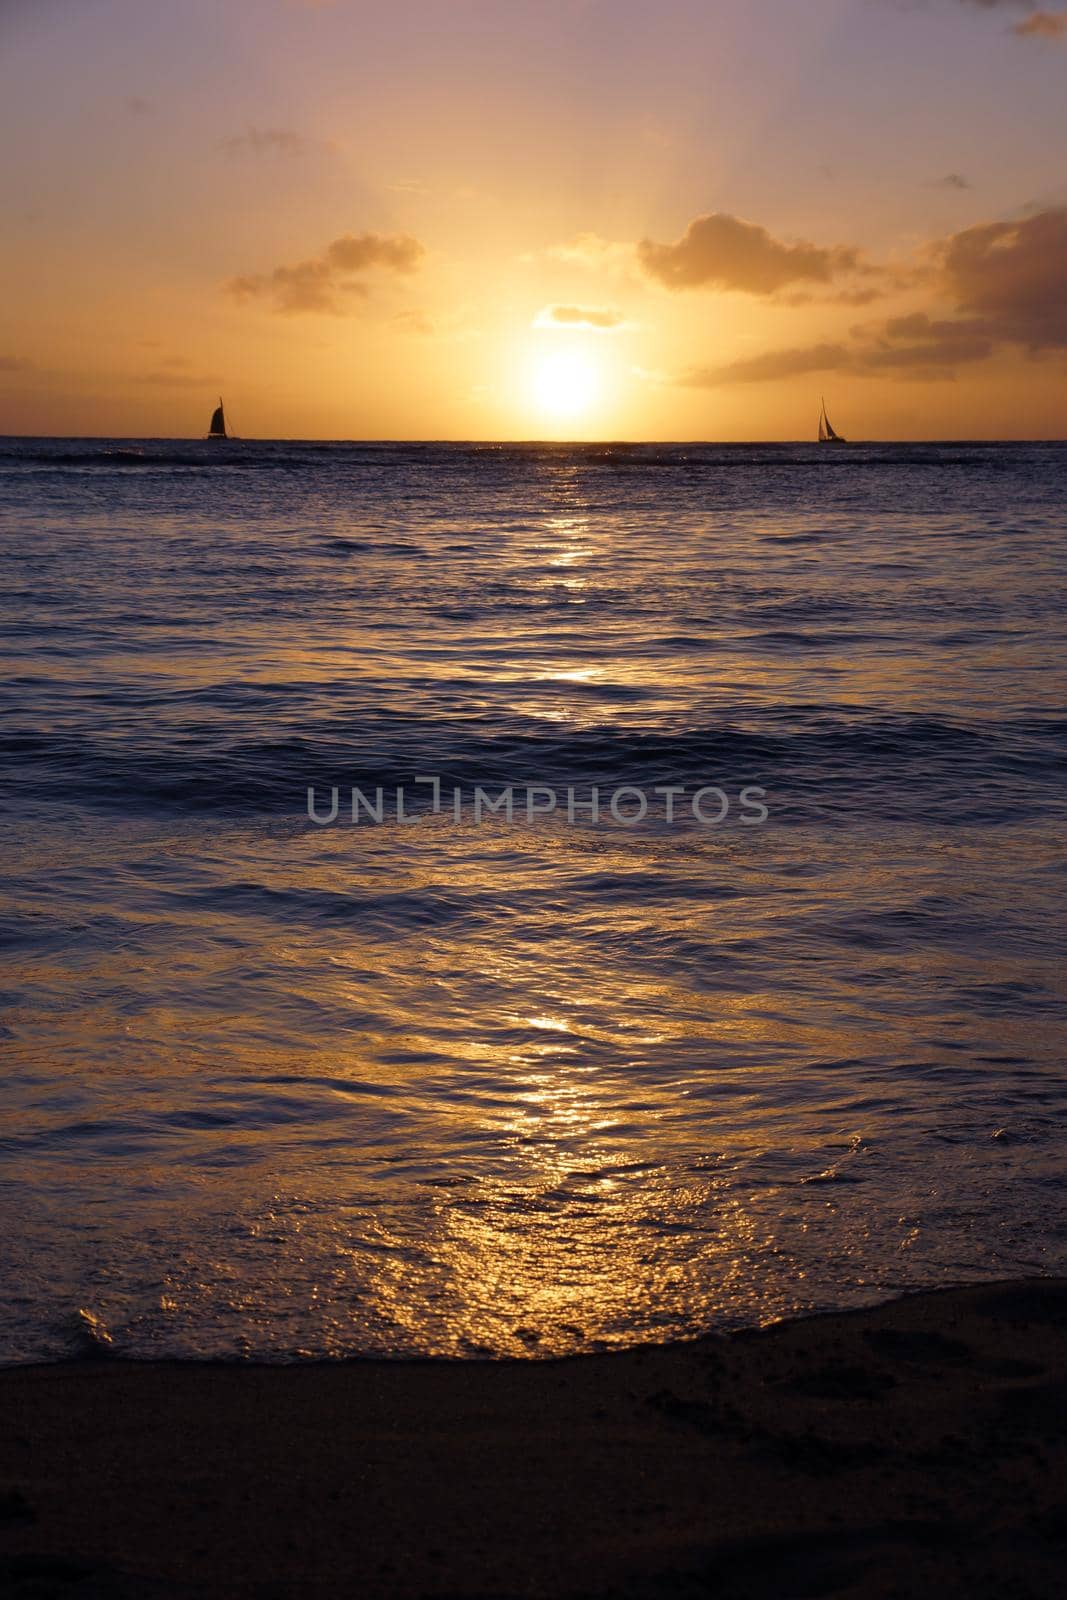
(480, 1069)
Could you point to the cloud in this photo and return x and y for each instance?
(933, 346)
(137, 106)
(578, 317)
(416, 322)
(319, 283)
(589, 250)
(13, 364)
(951, 180)
(454, 326)
(838, 297)
(915, 346)
(719, 251)
(265, 142)
(1043, 25)
(1038, 24)
(176, 380)
(1014, 274)
(1006, 281)
(771, 365)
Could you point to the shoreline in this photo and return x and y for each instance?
(914, 1448)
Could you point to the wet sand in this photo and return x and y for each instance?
(917, 1449)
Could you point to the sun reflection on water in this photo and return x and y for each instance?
(530, 1088)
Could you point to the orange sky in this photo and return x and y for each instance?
(568, 218)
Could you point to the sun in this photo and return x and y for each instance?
(565, 383)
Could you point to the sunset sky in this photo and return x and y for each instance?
(534, 218)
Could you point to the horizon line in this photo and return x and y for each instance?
(199, 438)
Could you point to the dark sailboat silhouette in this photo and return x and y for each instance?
(217, 429)
(826, 432)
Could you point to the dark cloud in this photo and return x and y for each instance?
(1007, 282)
(915, 345)
(724, 252)
(579, 317)
(1014, 274)
(919, 342)
(13, 364)
(951, 180)
(773, 364)
(857, 297)
(320, 283)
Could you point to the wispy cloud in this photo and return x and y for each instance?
(1037, 24)
(322, 282)
(771, 365)
(951, 180)
(265, 142)
(1043, 25)
(13, 364)
(453, 326)
(596, 254)
(415, 321)
(604, 319)
(915, 345)
(999, 5)
(163, 379)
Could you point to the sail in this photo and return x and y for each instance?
(827, 433)
(217, 429)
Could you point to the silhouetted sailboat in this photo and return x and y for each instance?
(826, 432)
(217, 429)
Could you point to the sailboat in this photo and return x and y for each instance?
(826, 432)
(217, 429)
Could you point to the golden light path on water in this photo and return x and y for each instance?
(531, 1084)
(553, 1187)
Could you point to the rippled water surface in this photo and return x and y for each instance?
(459, 1086)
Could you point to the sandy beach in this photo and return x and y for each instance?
(915, 1449)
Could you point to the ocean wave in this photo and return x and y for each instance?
(283, 1087)
(893, 764)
